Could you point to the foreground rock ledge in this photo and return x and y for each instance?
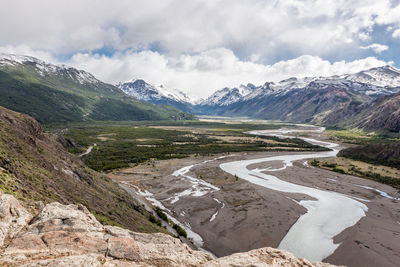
(69, 235)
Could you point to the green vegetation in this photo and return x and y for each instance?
(368, 159)
(372, 148)
(360, 137)
(105, 220)
(395, 182)
(122, 143)
(180, 230)
(359, 169)
(60, 98)
(35, 167)
(378, 154)
(160, 213)
(154, 220)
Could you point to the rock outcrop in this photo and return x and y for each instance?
(69, 235)
(13, 217)
(35, 165)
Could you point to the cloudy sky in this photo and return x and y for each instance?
(201, 46)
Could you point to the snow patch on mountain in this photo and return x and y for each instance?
(386, 76)
(142, 90)
(44, 68)
(227, 96)
(372, 82)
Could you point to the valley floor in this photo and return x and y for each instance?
(241, 216)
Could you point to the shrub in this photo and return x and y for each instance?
(154, 220)
(161, 214)
(180, 230)
(337, 169)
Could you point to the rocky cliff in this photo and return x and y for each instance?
(69, 235)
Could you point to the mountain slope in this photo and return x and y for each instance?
(385, 76)
(290, 104)
(383, 154)
(227, 96)
(381, 114)
(53, 93)
(142, 90)
(307, 99)
(35, 166)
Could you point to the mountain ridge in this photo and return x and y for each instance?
(330, 101)
(371, 81)
(159, 95)
(58, 94)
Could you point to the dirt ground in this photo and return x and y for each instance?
(252, 216)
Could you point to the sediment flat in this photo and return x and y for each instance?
(241, 216)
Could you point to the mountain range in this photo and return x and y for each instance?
(367, 99)
(58, 93)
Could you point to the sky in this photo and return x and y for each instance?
(202, 46)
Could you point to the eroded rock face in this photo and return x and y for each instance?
(13, 217)
(69, 235)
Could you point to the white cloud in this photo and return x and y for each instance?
(203, 44)
(265, 28)
(201, 74)
(396, 33)
(363, 36)
(26, 50)
(377, 48)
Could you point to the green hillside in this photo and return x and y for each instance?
(34, 166)
(60, 94)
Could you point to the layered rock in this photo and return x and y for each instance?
(69, 235)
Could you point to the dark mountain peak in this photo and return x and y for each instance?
(387, 68)
(268, 85)
(136, 82)
(291, 79)
(251, 86)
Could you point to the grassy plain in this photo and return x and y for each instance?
(360, 137)
(119, 144)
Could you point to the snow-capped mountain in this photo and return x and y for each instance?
(58, 93)
(303, 99)
(373, 82)
(145, 91)
(293, 99)
(386, 76)
(45, 69)
(227, 96)
(142, 90)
